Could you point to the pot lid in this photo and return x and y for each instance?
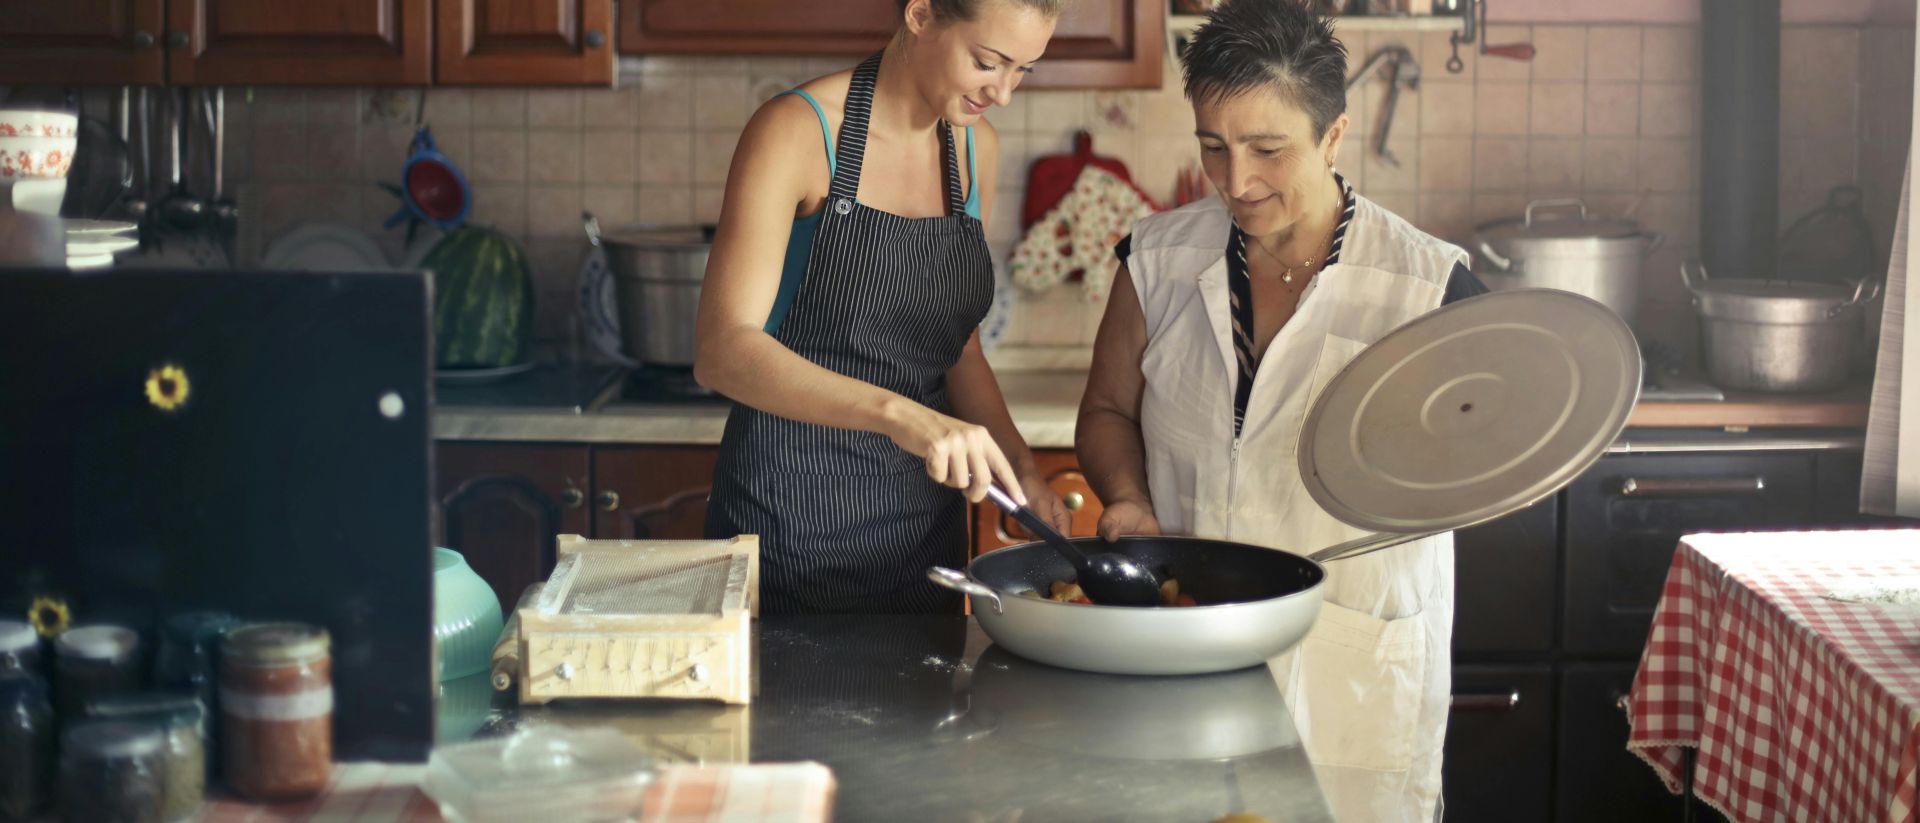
(1558, 220)
(1470, 412)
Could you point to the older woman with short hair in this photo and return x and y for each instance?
(1228, 316)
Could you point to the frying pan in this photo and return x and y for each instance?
(1466, 414)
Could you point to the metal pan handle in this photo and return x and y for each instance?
(1556, 203)
(1498, 260)
(958, 581)
(1365, 545)
(1687, 268)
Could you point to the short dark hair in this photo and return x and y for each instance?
(1249, 44)
(948, 11)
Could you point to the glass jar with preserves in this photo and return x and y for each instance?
(188, 661)
(94, 662)
(113, 770)
(276, 705)
(19, 648)
(181, 718)
(26, 746)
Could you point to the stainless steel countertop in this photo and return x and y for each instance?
(922, 720)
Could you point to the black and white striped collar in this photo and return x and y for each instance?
(1237, 240)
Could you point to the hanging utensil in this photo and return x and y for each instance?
(181, 211)
(1108, 578)
(225, 213)
(1474, 20)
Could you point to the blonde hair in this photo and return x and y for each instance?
(948, 11)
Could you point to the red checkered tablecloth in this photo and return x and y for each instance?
(1801, 694)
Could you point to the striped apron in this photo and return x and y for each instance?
(849, 522)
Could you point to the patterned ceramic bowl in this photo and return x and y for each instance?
(18, 123)
(24, 157)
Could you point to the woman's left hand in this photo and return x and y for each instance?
(1044, 502)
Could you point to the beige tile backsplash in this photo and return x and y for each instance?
(1608, 113)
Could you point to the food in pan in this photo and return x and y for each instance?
(1068, 591)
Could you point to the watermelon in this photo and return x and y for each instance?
(482, 300)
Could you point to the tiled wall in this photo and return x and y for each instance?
(1608, 113)
(1846, 114)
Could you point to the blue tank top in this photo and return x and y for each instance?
(800, 239)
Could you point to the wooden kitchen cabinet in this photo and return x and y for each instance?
(651, 492)
(1097, 43)
(502, 504)
(83, 42)
(1499, 755)
(313, 42)
(993, 529)
(525, 42)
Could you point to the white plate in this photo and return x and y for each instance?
(599, 314)
(98, 244)
(325, 247)
(480, 375)
(80, 226)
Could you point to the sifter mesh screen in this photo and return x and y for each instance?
(640, 584)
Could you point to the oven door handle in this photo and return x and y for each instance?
(1752, 486)
(1487, 701)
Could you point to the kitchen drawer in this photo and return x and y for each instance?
(1626, 515)
(1504, 582)
(1499, 755)
(1597, 779)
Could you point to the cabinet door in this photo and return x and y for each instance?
(1499, 755)
(83, 42)
(1504, 582)
(993, 529)
(1598, 779)
(1626, 515)
(526, 42)
(313, 42)
(651, 492)
(1097, 43)
(501, 505)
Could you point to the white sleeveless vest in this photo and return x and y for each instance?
(1370, 686)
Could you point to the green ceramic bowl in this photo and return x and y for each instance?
(466, 617)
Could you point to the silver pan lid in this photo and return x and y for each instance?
(1470, 412)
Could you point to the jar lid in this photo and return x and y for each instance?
(17, 636)
(195, 628)
(113, 739)
(170, 709)
(97, 642)
(268, 643)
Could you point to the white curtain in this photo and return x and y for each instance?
(1890, 482)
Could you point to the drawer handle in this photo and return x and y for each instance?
(572, 498)
(1693, 486)
(1074, 501)
(1624, 703)
(1490, 702)
(609, 500)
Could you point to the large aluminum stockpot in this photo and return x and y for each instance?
(1556, 245)
(1778, 335)
(657, 274)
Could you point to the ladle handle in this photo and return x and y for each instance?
(1034, 524)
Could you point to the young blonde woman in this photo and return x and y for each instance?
(840, 312)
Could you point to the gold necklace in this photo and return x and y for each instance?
(1287, 275)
